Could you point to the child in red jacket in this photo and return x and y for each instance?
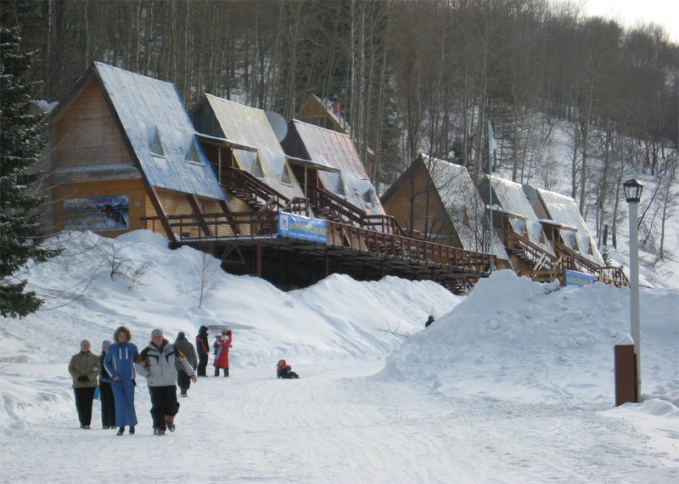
(283, 370)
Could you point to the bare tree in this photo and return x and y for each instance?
(207, 270)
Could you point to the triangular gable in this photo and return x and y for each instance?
(147, 109)
(463, 204)
(325, 113)
(336, 150)
(246, 126)
(564, 210)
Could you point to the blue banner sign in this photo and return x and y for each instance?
(300, 227)
(574, 278)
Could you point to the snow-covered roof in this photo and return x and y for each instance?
(249, 127)
(335, 149)
(564, 210)
(159, 131)
(511, 197)
(463, 204)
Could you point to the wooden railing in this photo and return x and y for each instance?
(539, 258)
(343, 236)
(344, 212)
(249, 187)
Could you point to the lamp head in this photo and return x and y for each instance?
(633, 190)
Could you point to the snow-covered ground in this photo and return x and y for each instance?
(512, 383)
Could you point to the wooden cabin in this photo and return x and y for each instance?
(122, 149)
(324, 113)
(350, 180)
(569, 236)
(517, 225)
(436, 200)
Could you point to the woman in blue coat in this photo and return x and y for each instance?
(119, 363)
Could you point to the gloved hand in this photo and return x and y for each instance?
(83, 378)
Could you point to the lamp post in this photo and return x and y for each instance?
(633, 191)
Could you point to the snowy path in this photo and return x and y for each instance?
(334, 425)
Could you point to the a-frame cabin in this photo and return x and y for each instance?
(343, 192)
(324, 113)
(518, 226)
(569, 236)
(437, 200)
(123, 149)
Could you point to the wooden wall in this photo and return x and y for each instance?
(438, 222)
(85, 133)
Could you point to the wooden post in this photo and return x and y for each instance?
(625, 375)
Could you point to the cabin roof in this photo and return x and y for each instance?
(511, 197)
(249, 132)
(337, 150)
(151, 111)
(564, 210)
(461, 198)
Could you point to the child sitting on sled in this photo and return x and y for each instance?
(283, 370)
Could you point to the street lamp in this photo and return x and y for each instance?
(633, 191)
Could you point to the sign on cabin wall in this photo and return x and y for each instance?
(574, 278)
(97, 213)
(300, 227)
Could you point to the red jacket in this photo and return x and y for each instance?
(222, 356)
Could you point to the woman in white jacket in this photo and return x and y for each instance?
(158, 363)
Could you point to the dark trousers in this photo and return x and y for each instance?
(226, 371)
(108, 405)
(183, 381)
(163, 404)
(202, 364)
(83, 403)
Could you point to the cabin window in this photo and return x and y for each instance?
(340, 185)
(285, 176)
(367, 197)
(465, 218)
(257, 169)
(193, 156)
(156, 145)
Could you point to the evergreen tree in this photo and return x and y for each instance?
(21, 142)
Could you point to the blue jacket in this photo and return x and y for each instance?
(120, 359)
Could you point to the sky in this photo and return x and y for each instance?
(629, 12)
(513, 382)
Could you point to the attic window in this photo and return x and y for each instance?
(285, 176)
(340, 186)
(465, 219)
(257, 169)
(367, 197)
(193, 156)
(156, 145)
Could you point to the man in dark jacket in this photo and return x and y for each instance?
(158, 363)
(203, 346)
(185, 346)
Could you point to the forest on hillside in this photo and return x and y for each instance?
(410, 76)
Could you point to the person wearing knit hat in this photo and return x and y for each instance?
(158, 363)
(84, 368)
(108, 405)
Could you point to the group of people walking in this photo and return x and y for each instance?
(165, 366)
